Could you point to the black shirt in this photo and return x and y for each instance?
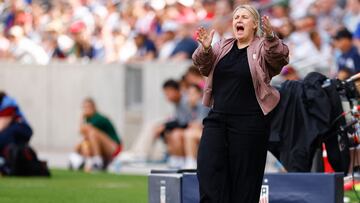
(233, 89)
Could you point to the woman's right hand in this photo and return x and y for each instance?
(204, 38)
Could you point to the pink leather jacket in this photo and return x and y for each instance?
(266, 58)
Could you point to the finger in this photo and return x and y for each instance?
(202, 29)
(266, 22)
(265, 25)
(212, 34)
(199, 30)
(265, 19)
(203, 32)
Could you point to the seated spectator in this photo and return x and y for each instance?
(14, 129)
(193, 132)
(222, 26)
(100, 142)
(183, 133)
(167, 41)
(186, 45)
(349, 57)
(146, 49)
(170, 131)
(83, 47)
(25, 50)
(64, 48)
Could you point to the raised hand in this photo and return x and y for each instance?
(204, 38)
(266, 27)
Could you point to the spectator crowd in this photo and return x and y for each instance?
(323, 35)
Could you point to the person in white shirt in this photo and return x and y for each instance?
(25, 50)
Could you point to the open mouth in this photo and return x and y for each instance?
(240, 28)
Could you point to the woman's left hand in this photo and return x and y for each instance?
(266, 27)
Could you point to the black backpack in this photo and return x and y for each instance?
(21, 160)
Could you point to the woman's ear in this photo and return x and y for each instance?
(255, 25)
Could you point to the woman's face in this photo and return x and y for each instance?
(88, 109)
(243, 25)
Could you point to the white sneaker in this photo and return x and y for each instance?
(176, 162)
(76, 161)
(190, 163)
(128, 157)
(97, 163)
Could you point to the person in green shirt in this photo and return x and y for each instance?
(100, 142)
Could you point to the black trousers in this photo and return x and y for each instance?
(17, 133)
(231, 157)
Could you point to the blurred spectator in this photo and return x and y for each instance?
(279, 11)
(185, 14)
(25, 50)
(210, 9)
(145, 48)
(188, 114)
(301, 46)
(14, 129)
(357, 36)
(315, 55)
(63, 48)
(100, 142)
(171, 131)
(329, 15)
(186, 45)
(83, 47)
(193, 76)
(349, 57)
(222, 25)
(167, 41)
(192, 133)
(4, 44)
(352, 15)
(284, 28)
(299, 8)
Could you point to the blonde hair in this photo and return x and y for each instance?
(254, 13)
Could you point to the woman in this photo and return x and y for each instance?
(100, 142)
(232, 151)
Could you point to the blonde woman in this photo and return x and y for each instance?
(232, 151)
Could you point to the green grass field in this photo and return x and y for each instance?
(352, 196)
(67, 186)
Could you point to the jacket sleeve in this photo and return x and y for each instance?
(276, 55)
(203, 60)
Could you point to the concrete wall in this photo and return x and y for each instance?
(51, 97)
